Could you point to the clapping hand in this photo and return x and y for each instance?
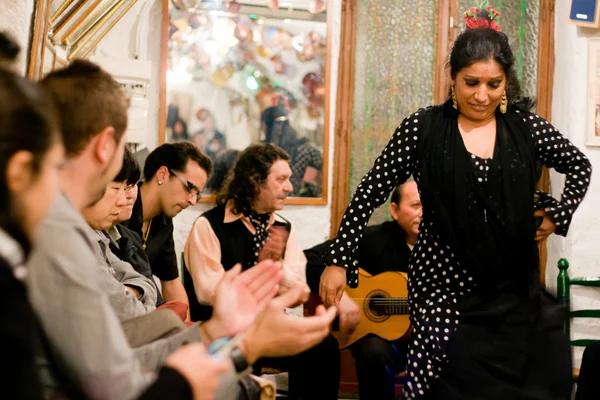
(277, 334)
(202, 371)
(240, 297)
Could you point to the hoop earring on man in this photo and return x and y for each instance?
(453, 95)
(503, 103)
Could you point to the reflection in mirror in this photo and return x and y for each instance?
(238, 73)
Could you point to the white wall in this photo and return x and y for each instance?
(313, 221)
(580, 247)
(15, 18)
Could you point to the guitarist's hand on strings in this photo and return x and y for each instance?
(349, 316)
(333, 283)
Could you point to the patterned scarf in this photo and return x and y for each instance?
(260, 223)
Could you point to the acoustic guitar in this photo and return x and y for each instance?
(383, 305)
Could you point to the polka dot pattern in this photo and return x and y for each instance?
(556, 151)
(436, 278)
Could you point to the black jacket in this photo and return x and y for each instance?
(382, 248)
(130, 250)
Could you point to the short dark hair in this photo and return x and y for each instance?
(27, 123)
(175, 157)
(397, 195)
(88, 100)
(248, 174)
(130, 171)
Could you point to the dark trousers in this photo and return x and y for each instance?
(588, 386)
(314, 374)
(377, 363)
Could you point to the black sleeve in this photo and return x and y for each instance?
(556, 151)
(19, 379)
(394, 166)
(165, 265)
(315, 264)
(169, 384)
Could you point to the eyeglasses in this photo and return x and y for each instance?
(189, 186)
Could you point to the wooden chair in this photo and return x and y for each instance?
(564, 295)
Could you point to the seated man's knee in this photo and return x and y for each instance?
(328, 351)
(374, 351)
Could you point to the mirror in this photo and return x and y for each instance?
(237, 73)
(67, 29)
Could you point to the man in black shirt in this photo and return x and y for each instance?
(174, 175)
(384, 247)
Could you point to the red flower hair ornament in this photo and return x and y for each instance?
(483, 16)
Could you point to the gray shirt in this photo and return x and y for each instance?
(118, 273)
(67, 288)
(66, 280)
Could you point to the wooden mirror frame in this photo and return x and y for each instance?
(92, 20)
(162, 119)
(447, 11)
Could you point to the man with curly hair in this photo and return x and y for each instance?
(243, 228)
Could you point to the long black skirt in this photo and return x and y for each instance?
(507, 347)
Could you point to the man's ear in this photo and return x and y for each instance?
(162, 175)
(19, 171)
(105, 145)
(394, 211)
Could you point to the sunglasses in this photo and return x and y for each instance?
(189, 186)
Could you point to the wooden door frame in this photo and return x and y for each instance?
(448, 10)
(545, 85)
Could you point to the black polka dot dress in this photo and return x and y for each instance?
(436, 278)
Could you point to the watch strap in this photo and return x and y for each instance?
(239, 360)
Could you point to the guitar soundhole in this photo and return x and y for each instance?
(377, 306)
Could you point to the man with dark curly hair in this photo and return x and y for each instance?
(243, 228)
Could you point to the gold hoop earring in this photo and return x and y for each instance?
(503, 103)
(453, 94)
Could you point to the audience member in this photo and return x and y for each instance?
(174, 175)
(243, 229)
(125, 243)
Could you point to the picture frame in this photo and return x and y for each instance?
(593, 95)
(265, 62)
(584, 13)
(64, 30)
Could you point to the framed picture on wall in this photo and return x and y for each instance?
(584, 13)
(593, 96)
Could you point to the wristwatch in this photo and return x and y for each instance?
(239, 360)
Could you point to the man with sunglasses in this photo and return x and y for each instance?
(174, 175)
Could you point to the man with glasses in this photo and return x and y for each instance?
(174, 175)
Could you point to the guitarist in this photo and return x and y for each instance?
(384, 247)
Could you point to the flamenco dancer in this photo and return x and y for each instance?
(482, 327)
